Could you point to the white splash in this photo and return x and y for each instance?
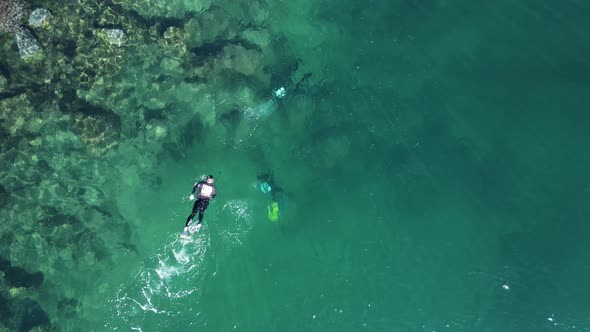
(164, 276)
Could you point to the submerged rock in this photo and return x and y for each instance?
(31, 315)
(3, 196)
(154, 103)
(67, 306)
(173, 42)
(114, 37)
(16, 114)
(164, 8)
(171, 67)
(262, 38)
(155, 131)
(18, 277)
(11, 13)
(17, 291)
(28, 47)
(39, 18)
(238, 59)
(211, 26)
(3, 83)
(5, 312)
(99, 132)
(110, 17)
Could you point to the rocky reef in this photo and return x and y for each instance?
(83, 83)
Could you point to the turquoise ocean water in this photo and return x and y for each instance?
(435, 171)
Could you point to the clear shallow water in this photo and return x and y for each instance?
(436, 175)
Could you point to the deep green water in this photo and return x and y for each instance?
(436, 176)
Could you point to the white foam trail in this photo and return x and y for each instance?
(162, 278)
(263, 110)
(165, 275)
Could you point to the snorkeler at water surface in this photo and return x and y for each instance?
(205, 191)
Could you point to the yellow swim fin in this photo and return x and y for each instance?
(273, 211)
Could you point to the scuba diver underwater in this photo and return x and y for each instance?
(206, 191)
(267, 185)
(278, 97)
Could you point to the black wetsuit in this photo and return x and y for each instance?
(206, 192)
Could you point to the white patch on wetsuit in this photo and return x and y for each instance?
(206, 191)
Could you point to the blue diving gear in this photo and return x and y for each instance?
(265, 187)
